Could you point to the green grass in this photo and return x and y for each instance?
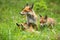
(9, 16)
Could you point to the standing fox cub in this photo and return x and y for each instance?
(47, 21)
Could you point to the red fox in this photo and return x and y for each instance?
(30, 14)
(24, 26)
(46, 21)
(31, 19)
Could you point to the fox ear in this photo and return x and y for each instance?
(46, 17)
(27, 4)
(40, 15)
(32, 6)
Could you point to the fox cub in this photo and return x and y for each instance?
(47, 21)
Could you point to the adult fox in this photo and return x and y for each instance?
(30, 16)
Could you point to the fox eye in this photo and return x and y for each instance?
(40, 22)
(25, 11)
(29, 8)
(43, 22)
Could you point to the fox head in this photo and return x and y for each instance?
(43, 20)
(26, 9)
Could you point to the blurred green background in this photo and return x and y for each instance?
(9, 16)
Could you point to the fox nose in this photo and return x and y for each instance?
(20, 13)
(41, 25)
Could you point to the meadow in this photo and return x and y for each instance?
(9, 16)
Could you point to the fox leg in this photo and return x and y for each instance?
(34, 26)
(51, 25)
(31, 29)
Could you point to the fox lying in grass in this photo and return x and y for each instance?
(47, 21)
(24, 26)
(31, 16)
